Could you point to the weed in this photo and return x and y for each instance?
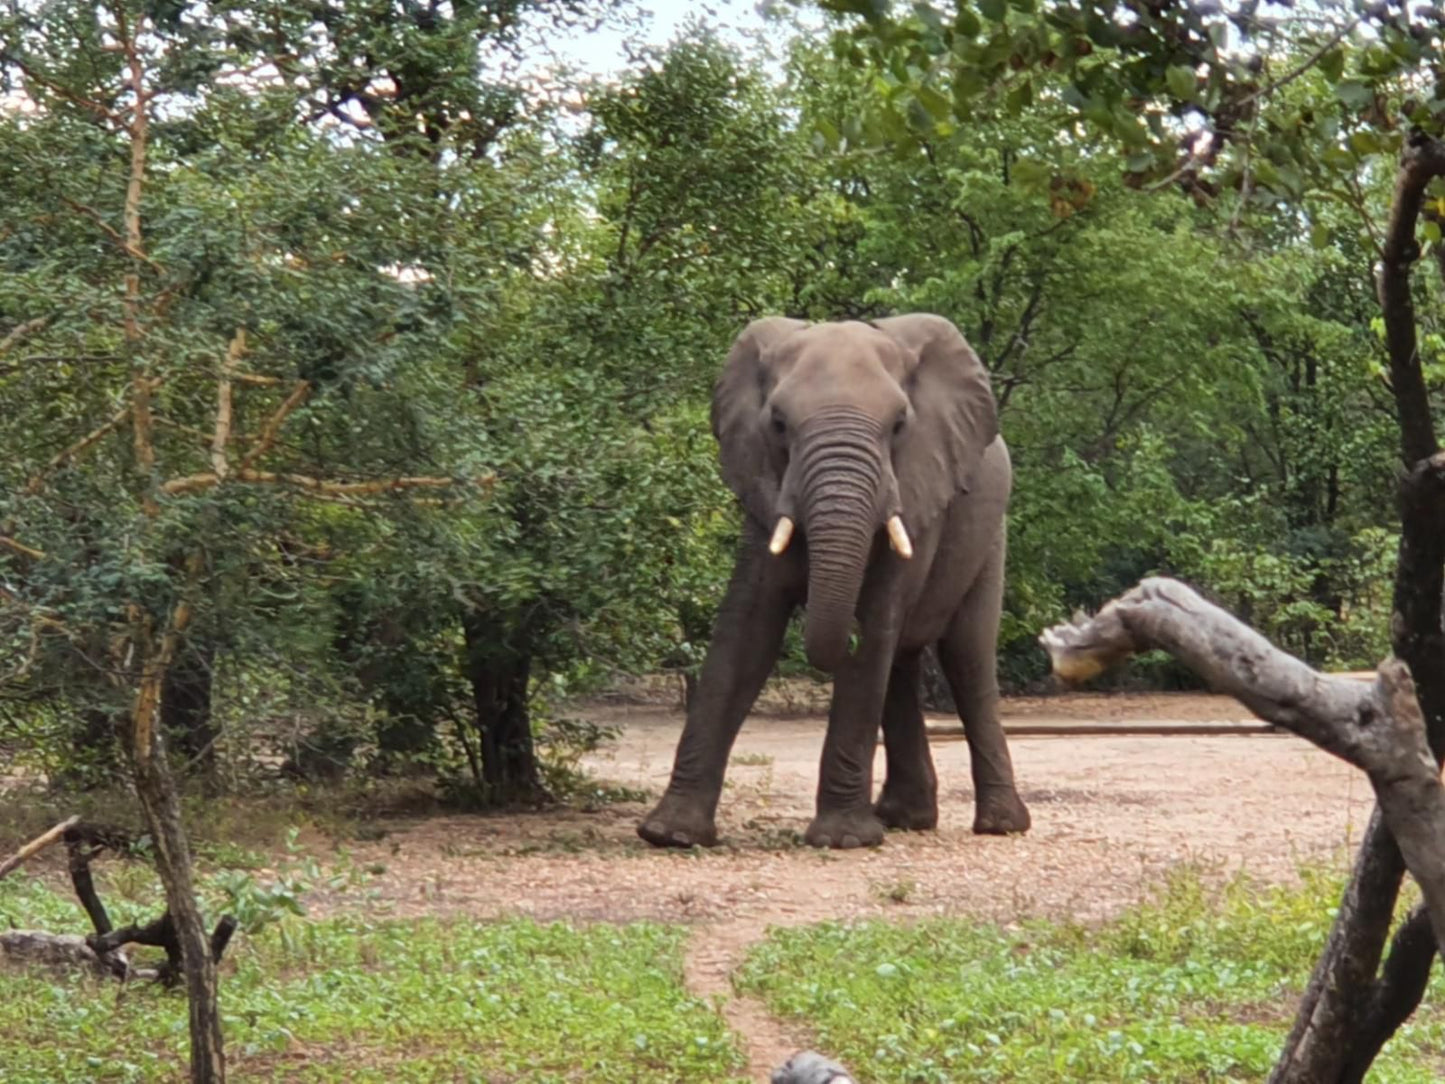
(752, 760)
(900, 891)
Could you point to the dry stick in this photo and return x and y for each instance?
(38, 844)
(1377, 728)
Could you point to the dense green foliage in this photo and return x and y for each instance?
(476, 285)
(1195, 985)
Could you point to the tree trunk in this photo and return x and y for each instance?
(499, 681)
(1348, 1012)
(186, 710)
(157, 792)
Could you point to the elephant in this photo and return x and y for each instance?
(874, 483)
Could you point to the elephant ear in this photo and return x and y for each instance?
(954, 419)
(737, 404)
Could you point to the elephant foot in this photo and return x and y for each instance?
(845, 829)
(678, 822)
(999, 812)
(912, 812)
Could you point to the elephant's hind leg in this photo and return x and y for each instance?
(968, 654)
(910, 789)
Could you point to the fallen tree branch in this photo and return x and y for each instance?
(1378, 728)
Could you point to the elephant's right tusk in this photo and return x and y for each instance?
(898, 537)
(782, 535)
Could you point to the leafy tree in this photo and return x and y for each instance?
(1248, 111)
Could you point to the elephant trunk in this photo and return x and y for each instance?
(840, 479)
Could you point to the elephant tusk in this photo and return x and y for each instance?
(782, 535)
(898, 536)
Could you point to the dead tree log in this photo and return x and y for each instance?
(1380, 729)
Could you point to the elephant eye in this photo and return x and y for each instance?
(898, 425)
(780, 425)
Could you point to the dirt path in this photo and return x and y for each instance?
(1111, 815)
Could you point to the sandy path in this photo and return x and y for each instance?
(1111, 815)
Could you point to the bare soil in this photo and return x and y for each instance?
(1111, 816)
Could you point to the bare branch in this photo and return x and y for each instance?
(195, 483)
(299, 394)
(1378, 728)
(37, 480)
(223, 403)
(1422, 160)
(22, 331)
(25, 551)
(256, 380)
(38, 844)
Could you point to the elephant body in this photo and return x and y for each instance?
(881, 442)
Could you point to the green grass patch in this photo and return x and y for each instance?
(397, 1001)
(1197, 985)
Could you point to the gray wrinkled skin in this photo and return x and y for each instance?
(810, 1068)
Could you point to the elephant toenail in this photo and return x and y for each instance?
(851, 841)
(682, 838)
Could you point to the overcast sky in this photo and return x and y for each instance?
(603, 52)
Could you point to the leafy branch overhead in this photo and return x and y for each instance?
(1247, 101)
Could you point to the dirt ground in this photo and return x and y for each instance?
(1111, 815)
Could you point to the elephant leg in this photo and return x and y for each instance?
(910, 789)
(968, 654)
(746, 639)
(845, 816)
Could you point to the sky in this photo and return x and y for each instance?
(604, 53)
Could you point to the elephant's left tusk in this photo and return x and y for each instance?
(782, 535)
(898, 537)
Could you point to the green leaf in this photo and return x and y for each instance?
(1182, 82)
(1431, 231)
(993, 10)
(1319, 235)
(966, 23)
(935, 102)
(1332, 65)
(1020, 98)
(1354, 94)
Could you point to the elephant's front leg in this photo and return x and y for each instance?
(910, 789)
(845, 815)
(747, 636)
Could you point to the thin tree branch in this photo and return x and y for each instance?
(195, 483)
(20, 332)
(37, 480)
(223, 403)
(299, 394)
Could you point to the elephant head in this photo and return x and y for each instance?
(849, 429)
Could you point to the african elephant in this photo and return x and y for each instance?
(868, 460)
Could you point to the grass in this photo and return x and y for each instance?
(344, 999)
(1197, 985)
